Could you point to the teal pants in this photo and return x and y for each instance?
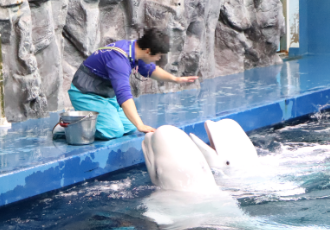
(111, 121)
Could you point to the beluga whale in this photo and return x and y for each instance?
(188, 196)
(180, 165)
(229, 147)
(174, 162)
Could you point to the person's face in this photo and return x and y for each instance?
(148, 58)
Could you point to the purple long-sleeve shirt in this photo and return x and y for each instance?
(114, 66)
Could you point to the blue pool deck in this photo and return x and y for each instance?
(32, 163)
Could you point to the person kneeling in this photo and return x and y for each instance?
(101, 83)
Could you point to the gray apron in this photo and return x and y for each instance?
(88, 82)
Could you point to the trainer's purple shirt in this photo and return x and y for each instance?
(114, 66)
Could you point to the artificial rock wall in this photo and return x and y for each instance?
(44, 42)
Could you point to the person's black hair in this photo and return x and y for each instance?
(155, 40)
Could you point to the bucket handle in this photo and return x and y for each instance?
(65, 125)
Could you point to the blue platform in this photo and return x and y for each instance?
(31, 163)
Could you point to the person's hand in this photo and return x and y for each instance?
(145, 129)
(186, 79)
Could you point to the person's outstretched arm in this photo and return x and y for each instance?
(161, 75)
(132, 115)
(119, 77)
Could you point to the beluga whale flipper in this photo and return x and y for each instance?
(174, 162)
(230, 147)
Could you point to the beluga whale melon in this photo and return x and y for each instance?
(174, 162)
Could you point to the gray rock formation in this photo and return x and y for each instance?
(44, 42)
(48, 19)
(24, 97)
(247, 35)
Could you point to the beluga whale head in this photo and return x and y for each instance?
(174, 162)
(229, 148)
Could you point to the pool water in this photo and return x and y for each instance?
(290, 189)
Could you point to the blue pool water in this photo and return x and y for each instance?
(290, 190)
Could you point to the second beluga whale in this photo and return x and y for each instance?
(229, 147)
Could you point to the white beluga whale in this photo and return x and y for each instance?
(174, 162)
(229, 148)
(189, 196)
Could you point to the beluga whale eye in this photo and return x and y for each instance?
(227, 163)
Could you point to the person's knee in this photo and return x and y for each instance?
(130, 129)
(107, 133)
(119, 131)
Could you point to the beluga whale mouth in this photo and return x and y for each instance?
(230, 147)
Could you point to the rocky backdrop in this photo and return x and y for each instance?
(44, 42)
